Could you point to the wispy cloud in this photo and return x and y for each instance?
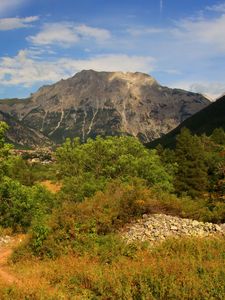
(25, 70)
(55, 33)
(113, 62)
(190, 40)
(16, 23)
(67, 33)
(98, 33)
(141, 31)
(212, 90)
(206, 31)
(161, 6)
(217, 7)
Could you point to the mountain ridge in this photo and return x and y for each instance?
(95, 103)
(203, 122)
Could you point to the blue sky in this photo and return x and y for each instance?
(179, 42)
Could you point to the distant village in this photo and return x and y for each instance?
(38, 156)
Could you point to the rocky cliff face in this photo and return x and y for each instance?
(105, 103)
(20, 135)
(203, 122)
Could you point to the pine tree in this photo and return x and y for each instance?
(192, 171)
(218, 136)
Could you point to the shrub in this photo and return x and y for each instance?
(86, 168)
(19, 204)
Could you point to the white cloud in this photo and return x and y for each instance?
(212, 90)
(8, 5)
(55, 33)
(145, 31)
(98, 33)
(206, 31)
(217, 7)
(15, 23)
(67, 33)
(25, 70)
(190, 36)
(119, 62)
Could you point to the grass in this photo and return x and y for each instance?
(81, 256)
(53, 187)
(188, 268)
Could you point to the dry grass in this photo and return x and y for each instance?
(177, 269)
(53, 187)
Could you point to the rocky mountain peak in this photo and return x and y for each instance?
(130, 77)
(95, 103)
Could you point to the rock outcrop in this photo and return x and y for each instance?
(105, 103)
(157, 227)
(21, 135)
(4, 240)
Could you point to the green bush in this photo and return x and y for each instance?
(39, 235)
(77, 188)
(87, 167)
(19, 204)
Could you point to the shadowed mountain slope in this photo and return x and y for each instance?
(204, 121)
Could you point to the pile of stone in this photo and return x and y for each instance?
(158, 227)
(4, 240)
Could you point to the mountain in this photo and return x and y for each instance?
(105, 103)
(22, 136)
(204, 121)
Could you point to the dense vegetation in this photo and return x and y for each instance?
(72, 236)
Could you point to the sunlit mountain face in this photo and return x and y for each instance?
(104, 103)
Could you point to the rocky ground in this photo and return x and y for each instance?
(158, 227)
(4, 240)
(7, 245)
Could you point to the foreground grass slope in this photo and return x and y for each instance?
(177, 269)
(92, 262)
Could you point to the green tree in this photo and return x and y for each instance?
(19, 169)
(215, 161)
(20, 205)
(3, 128)
(4, 150)
(88, 167)
(191, 175)
(218, 136)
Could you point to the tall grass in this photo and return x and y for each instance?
(189, 268)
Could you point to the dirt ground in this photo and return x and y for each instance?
(5, 252)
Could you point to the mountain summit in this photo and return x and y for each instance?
(105, 103)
